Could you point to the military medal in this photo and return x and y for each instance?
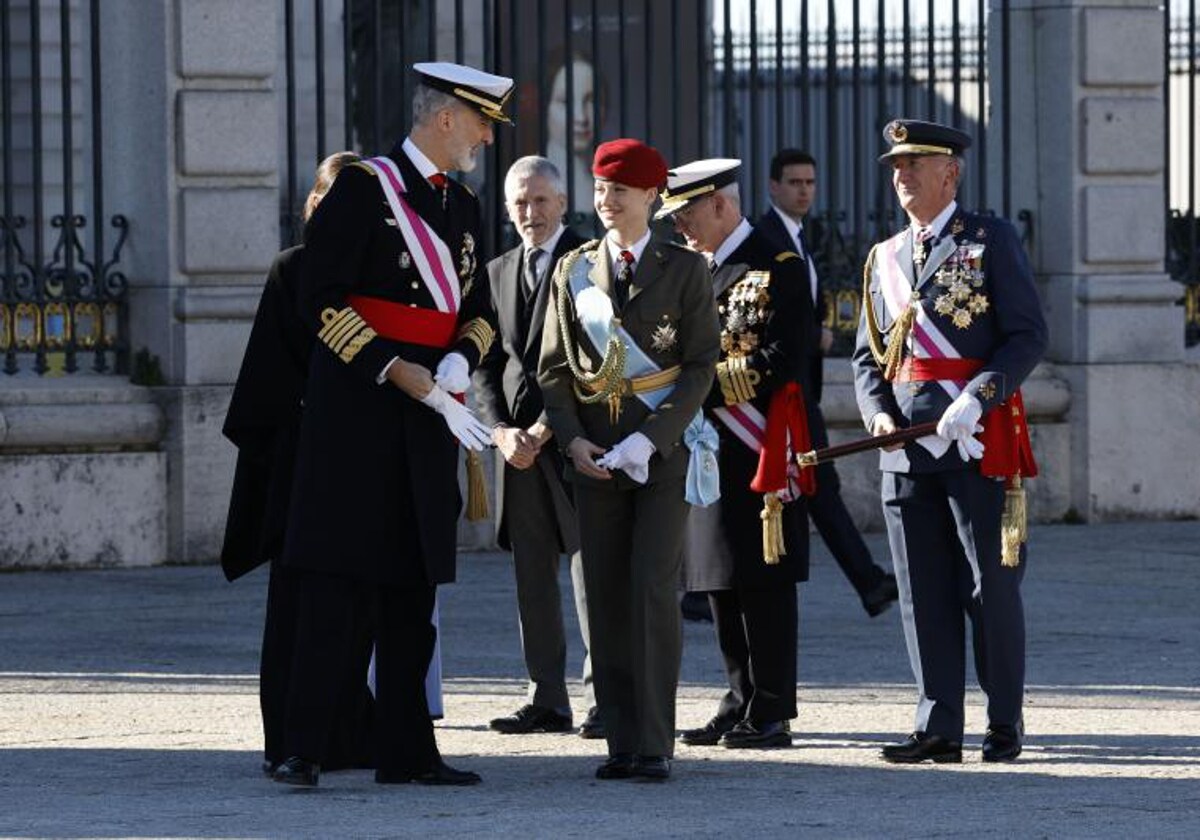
(405, 259)
(466, 259)
(961, 276)
(664, 336)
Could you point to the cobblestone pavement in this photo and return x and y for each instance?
(128, 708)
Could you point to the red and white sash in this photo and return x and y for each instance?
(749, 425)
(431, 255)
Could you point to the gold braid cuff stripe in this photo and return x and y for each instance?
(479, 332)
(345, 332)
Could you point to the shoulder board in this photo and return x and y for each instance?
(470, 191)
(757, 278)
(783, 256)
(677, 246)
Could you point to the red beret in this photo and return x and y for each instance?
(630, 162)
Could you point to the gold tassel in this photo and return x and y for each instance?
(477, 500)
(1014, 528)
(772, 520)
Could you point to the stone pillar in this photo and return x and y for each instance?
(1088, 128)
(190, 123)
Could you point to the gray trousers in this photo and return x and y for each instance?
(632, 552)
(533, 533)
(944, 531)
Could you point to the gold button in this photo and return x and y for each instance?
(916, 295)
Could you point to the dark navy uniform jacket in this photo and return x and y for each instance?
(782, 340)
(1006, 330)
(376, 493)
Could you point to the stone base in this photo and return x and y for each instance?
(77, 510)
(1134, 440)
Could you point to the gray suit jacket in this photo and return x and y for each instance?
(506, 387)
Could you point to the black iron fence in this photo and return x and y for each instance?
(63, 297)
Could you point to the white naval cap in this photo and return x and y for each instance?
(695, 180)
(486, 92)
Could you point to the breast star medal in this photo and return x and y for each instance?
(664, 336)
(962, 276)
(405, 260)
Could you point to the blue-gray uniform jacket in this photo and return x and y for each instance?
(994, 316)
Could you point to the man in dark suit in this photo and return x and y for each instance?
(792, 185)
(629, 349)
(535, 517)
(391, 284)
(951, 326)
(749, 576)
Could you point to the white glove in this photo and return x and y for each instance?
(453, 373)
(462, 423)
(632, 455)
(960, 423)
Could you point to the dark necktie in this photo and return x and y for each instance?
(923, 246)
(712, 265)
(624, 277)
(533, 261)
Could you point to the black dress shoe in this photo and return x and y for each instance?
(593, 725)
(877, 599)
(530, 718)
(920, 746)
(1002, 743)
(269, 767)
(709, 734)
(618, 766)
(297, 771)
(653, 768)
(748, 735)
(440, 774)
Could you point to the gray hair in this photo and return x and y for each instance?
(960, 169)
(732, 194)
(427, 101)
(535, 166)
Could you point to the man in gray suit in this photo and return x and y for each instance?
(535, 517)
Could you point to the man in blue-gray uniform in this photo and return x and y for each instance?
(951, 326)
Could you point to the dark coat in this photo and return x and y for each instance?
(263, 422)
(506, 387)
(771, 226)
(781, 356)
(1009, 337)
(376, 494)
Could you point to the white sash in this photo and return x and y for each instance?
(429, 252)
(595, 312)
(928, 342)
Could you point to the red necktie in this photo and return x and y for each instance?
(624, 277)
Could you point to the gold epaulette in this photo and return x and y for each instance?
(786, 255)
(479, 332)
(737, 379)
(345, 332)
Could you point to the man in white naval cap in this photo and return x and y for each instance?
(391, 286)
(748, 550)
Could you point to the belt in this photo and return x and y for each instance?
(410, 324)
(928, 370)
(641, 384)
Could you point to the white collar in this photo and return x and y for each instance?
(423, 164)
(550, 244)
(614, 250)
(733, 241)
(939, 221)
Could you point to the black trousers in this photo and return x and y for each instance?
(330, 613)
(756, 632)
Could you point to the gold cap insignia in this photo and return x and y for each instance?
(897, 131)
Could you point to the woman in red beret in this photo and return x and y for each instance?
(628, 354)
